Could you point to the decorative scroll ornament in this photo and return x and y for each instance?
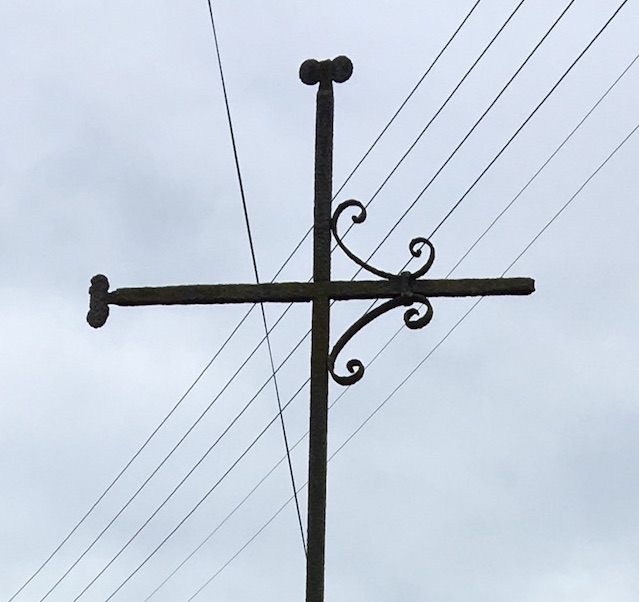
(407, 297)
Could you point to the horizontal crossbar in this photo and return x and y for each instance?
(291, 292)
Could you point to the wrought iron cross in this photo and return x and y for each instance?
(403, 289)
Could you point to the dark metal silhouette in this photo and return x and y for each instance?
(405, 289)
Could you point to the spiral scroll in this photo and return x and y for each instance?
(415, 247)
(412, 319)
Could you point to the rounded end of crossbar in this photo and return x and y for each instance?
(98, 301)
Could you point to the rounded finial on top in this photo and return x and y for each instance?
(342, 69)
(337, 70)
(310, 72)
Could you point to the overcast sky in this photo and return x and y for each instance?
(505, 468)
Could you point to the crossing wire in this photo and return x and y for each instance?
(519, 130)
(126, 467)
(255, 269)
(521, 127)
(235, 330)
(425, 358)
(236, 507)
(257, 486)
(494, 160)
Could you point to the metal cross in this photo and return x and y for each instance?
(404, 289)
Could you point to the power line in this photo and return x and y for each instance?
(236, 507)
(459, 145)
(179, 485)
(510, 140)
(385, 129)
(476, 303)
(571, 199)
(256, 487)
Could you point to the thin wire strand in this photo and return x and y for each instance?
(236, 507)
(571, 199)
(459, 145)
(525, 187)
(302, 438)
(410, 95)
(256, 271)
(262, 480)
(429, 354)
(190, 513)
(478, 301)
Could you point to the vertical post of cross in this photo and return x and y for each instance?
(324, 73)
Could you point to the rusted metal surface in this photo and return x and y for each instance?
(292, 292)
(407, 289)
